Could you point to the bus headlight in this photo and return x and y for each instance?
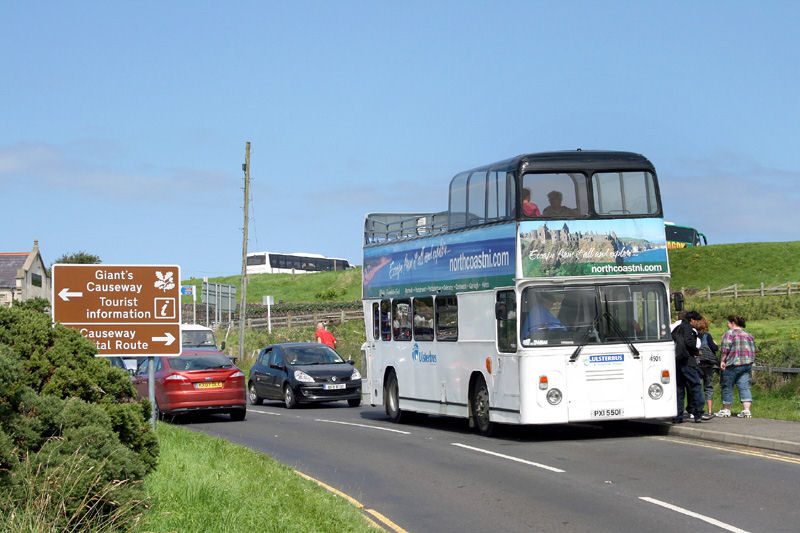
(554, 396)
(655, 391)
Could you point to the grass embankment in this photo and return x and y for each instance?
(341, 286)
(208, 484)
(722, 265)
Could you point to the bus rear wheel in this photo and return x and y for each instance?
(391, 398)
(480, 409)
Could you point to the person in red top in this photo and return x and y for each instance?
(324, 336)
(529, 209)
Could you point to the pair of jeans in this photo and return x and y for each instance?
(738, 375)
(688, 379)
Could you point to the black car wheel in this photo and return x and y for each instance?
(255, 399)
(288, 397)
(238, 415)
(391, 397)
(355, 402)
(480, 408)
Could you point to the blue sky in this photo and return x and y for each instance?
(124, 123)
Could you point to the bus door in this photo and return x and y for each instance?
(372, 387)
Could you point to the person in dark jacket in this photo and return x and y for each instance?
(687, 371)
(708, 361)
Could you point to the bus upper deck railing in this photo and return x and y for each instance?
(382, 227)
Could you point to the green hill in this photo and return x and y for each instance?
(748, 265)
(340, 286)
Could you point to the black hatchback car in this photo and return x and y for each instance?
(303, 372)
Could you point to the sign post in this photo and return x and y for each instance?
(126, 310)
(186, 290)
(269, 301)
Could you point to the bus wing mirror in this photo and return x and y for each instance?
(677, 297)
(500, 311)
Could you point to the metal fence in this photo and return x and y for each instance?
(297, 320)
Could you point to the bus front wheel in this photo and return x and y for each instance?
(480, 409)
(391, 395)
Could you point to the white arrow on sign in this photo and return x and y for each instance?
(66, 295)
(167, 339)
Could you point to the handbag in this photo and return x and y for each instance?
(707, 356)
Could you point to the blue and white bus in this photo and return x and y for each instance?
(539, 296)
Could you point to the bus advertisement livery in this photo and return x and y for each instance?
(538, 297)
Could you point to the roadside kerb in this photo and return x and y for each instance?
(741, 438)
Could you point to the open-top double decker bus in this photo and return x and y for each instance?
(539, 296)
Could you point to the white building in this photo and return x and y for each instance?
(23, 275)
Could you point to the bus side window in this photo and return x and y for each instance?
(376, 321)
(386, 320)
(446, 318)
(507, 323)
(423, 318)
(401, 323)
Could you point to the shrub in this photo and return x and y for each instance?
(327, 295)
(74, 442)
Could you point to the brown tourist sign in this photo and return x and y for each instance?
(126, 310)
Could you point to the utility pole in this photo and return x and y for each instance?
(243, 296)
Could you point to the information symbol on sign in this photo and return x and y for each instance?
(165, 308)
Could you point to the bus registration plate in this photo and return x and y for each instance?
(608, 413)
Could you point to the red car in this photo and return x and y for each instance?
(198, 382)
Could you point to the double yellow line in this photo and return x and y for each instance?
(386, 523)
(764, 455)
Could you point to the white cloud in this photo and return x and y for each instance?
(72, 169)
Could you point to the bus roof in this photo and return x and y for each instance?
(573, 160)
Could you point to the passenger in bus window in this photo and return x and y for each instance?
(529, 209)
(555, 209)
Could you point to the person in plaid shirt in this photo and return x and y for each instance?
(737, 354)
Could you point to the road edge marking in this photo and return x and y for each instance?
(753, 453)
(391, 525)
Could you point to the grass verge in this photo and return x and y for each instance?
(209, 484)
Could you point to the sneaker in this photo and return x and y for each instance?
(724, 413)
(744, 414)
(707, 416)
(691, 416)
